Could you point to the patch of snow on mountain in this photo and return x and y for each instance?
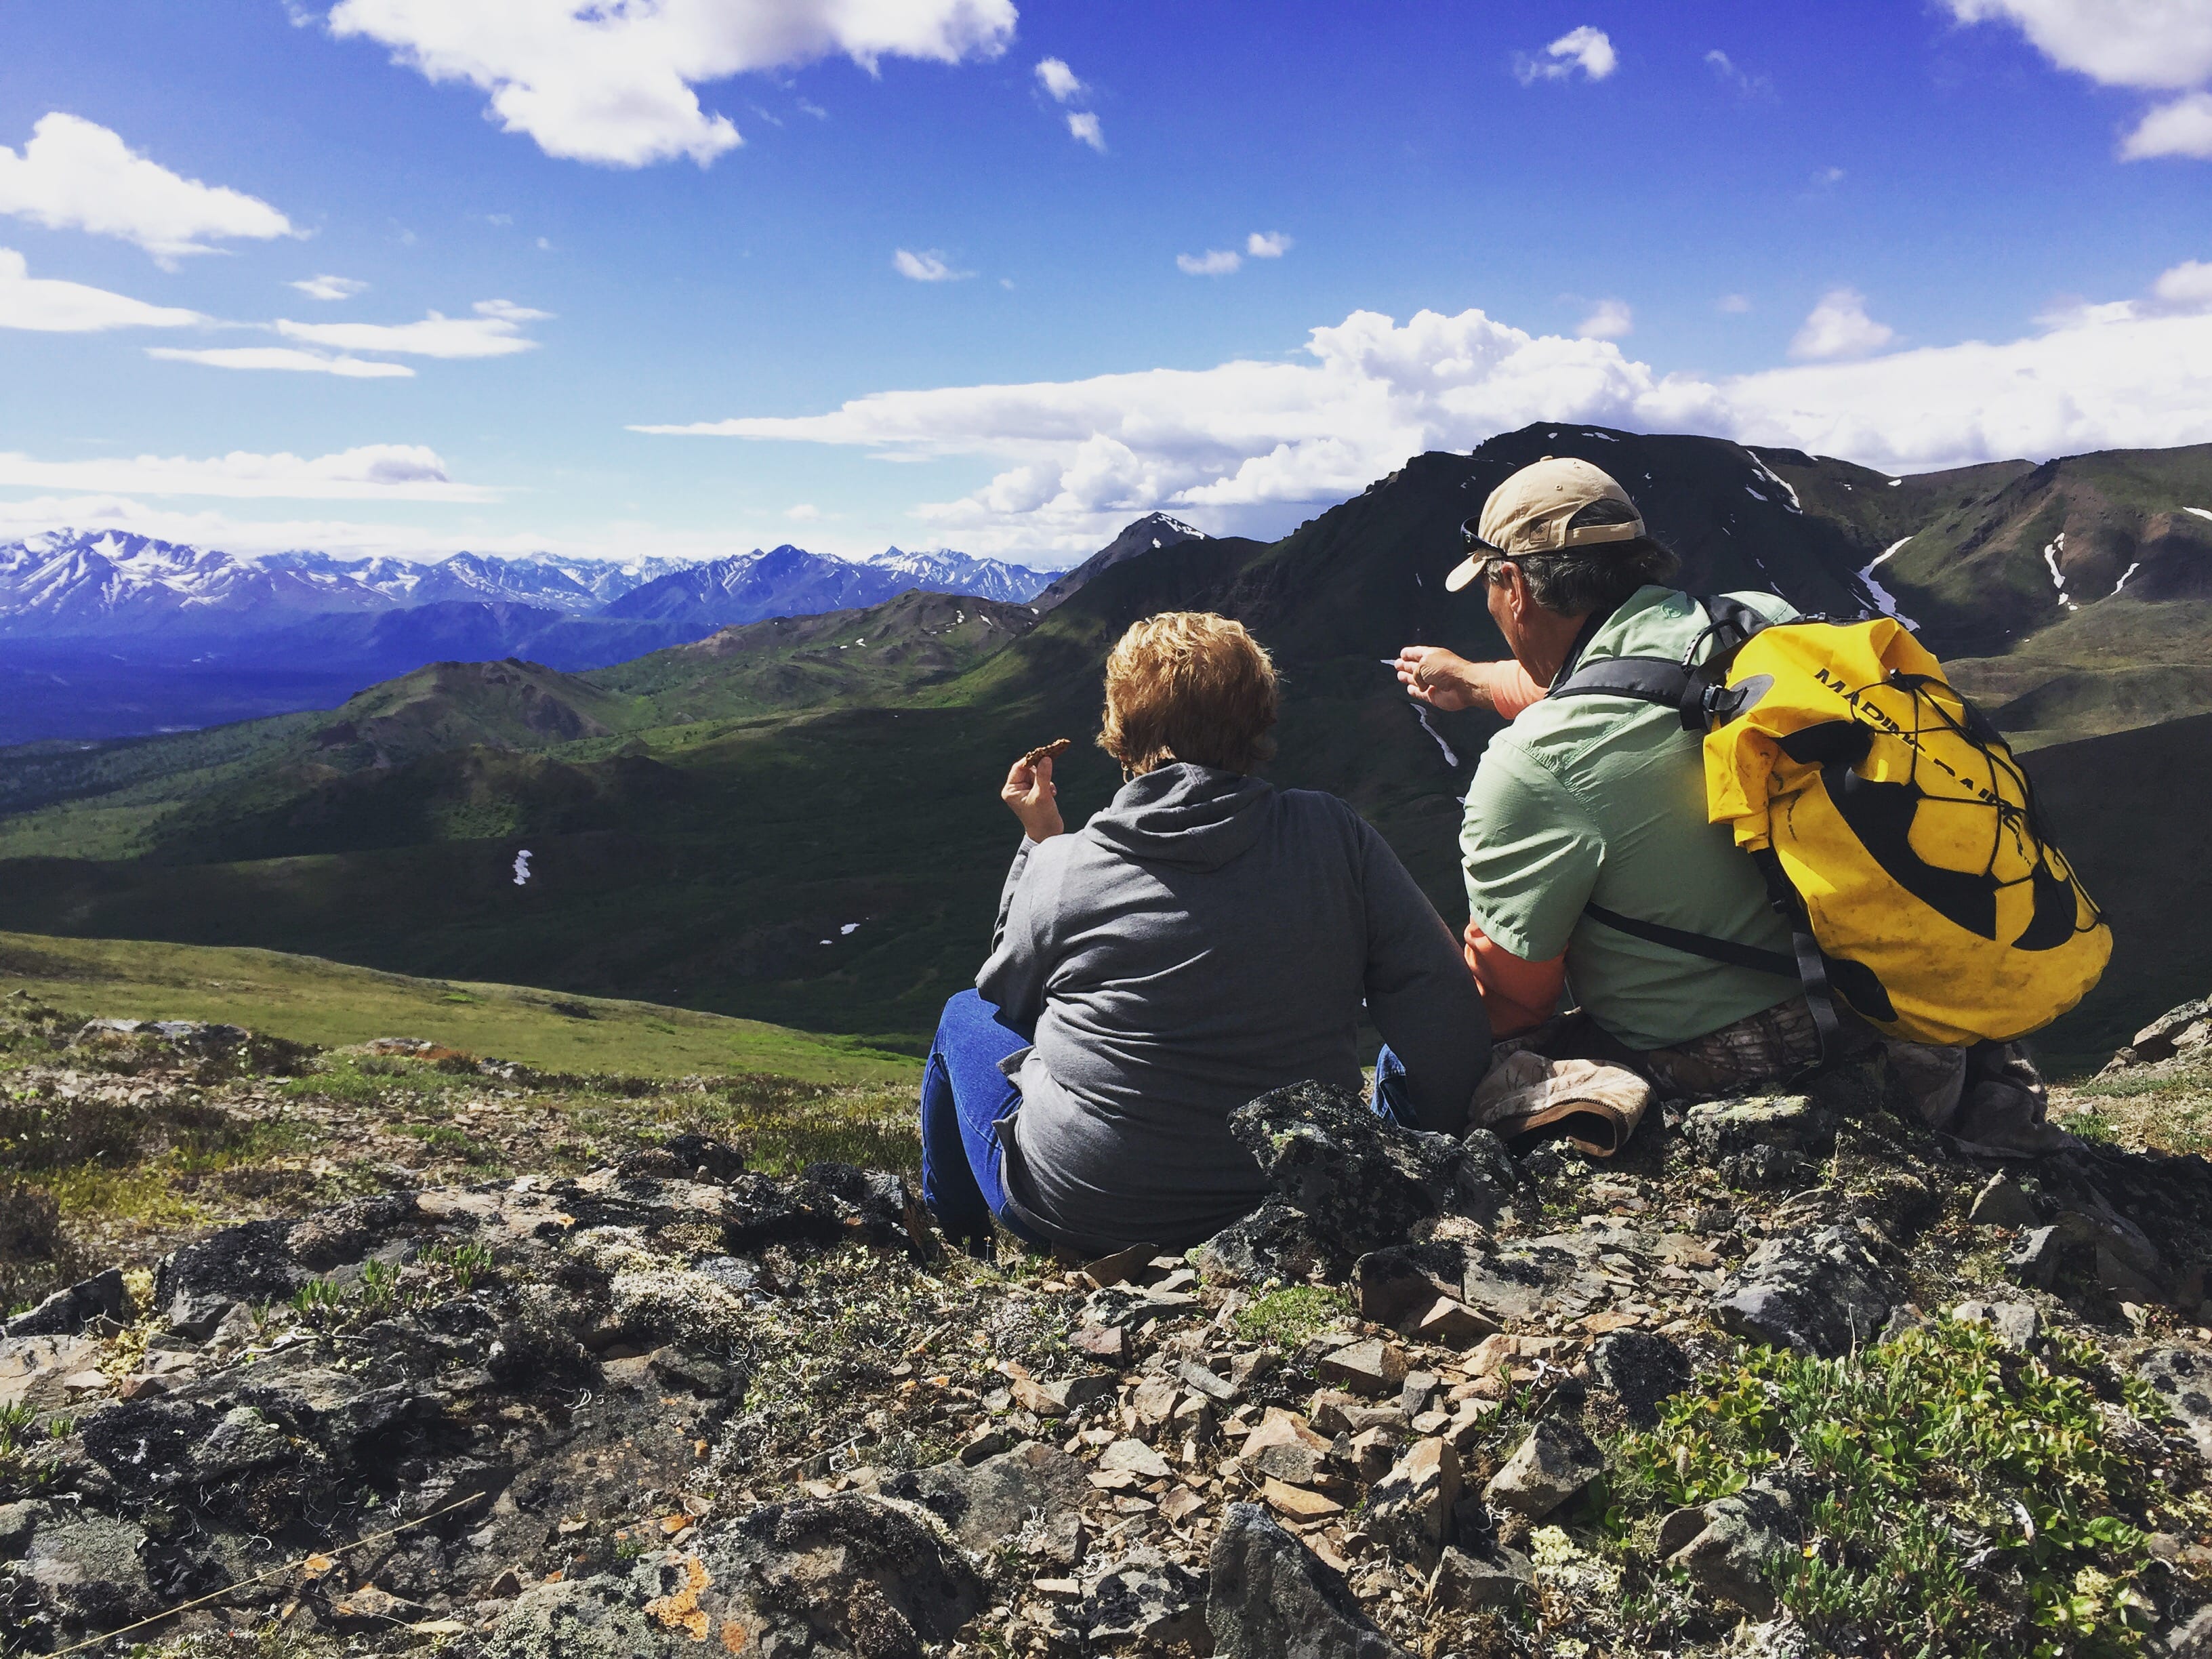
(2201, 512)
(2129, 572)
(1776, 479)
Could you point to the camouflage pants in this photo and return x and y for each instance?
(1990, 1098)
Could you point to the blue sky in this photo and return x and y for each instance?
(1782, 223)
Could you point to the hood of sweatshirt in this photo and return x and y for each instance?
(1191, 817)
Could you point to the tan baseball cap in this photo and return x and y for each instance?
(1531, 512)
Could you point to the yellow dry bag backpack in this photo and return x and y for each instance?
(1895, 830)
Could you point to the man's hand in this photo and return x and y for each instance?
(1439, 678)
(1032, 794)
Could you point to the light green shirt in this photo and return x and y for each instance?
(1602, 800)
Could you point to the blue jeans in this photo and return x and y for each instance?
(965, 1101)
(1389, 1099)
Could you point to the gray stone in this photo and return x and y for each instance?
(1144, 1602)
(17, 1523)
(1409, 1511)
(67, 1312)
(197, 1285)
(1557, 1460)
(89, 1573)
(2034, 1258)
(850, 1574)
(2016, 1323)
(1793, 1124)
(1821, 1293)
(1678, 1528)
(1372, 1368)
(1744, 1535)
(2002, 1204)
(2192, 1638)
(1269, 1597)
(1500, 1577)
(1347, 1182)
(2117, 1276)
(1032, 1495)
(1200, 1381)
(1642, 1369)
(2182, 1377)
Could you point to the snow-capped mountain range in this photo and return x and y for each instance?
(111, 585)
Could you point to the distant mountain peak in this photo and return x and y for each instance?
(1149, 534)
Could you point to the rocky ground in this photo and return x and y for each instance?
(1789, 1376)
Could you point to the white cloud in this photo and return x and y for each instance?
(1053, 74)
(2151, 46)
(592, 82)
(1266, 245)
(329, 287)
(1727, 68)
(1586, 49)
(45, 306)
(284, 357)
(1734, 304)
(1827, 178)
(75, 174)
(805, 512)
(1609, 319)
(494, 332)
(2187, 285)
(927, 266)
(1083, 125)
(1214, 262)
(2183, 127)
(406, 472)
(1253, 446)
(1839, 327)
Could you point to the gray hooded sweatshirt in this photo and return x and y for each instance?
(1204, 939)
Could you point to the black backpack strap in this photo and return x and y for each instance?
(1648, 679)
(1699, 945)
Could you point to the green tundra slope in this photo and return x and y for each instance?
(768, 824)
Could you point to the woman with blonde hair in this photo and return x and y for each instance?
(1205, 939)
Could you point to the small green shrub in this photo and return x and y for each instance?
(1971, 1500)
(1291, 1317)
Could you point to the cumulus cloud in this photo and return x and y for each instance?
(1083, 126)
(1586, 50)
(403, 472)
(45, 306)
(1214, 262)
(75, 174)
(591, 81)
(329, 287)
(2187, 285)
(494, 332)
(1608, 319)
(1249, 446)
(1060, 81)
(2150, 45)
(1266, 245)
(291, 359)
(927, 266)
(1839, 327)
(2183, 127)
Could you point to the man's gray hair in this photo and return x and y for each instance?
(1578, 580)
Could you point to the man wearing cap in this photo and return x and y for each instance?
(1597, 804)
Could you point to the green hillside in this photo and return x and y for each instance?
(308, 999)
(798, 822)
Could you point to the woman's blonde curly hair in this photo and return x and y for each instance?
(1188, 685)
